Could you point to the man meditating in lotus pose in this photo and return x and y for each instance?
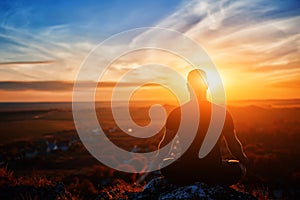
(189, 168)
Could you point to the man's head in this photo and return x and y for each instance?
(197, 81)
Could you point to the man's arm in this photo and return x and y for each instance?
(233, 144)
(170, 129)
(167, 137)
(168, 134)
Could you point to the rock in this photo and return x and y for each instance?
(103, 196)
(159, 188)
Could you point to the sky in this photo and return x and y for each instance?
(255, 45)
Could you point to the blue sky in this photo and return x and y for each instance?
(253, 41)
(91, 18)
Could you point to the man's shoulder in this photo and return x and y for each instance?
(178, 110)
(221, 108)
(175, 113)
(218, 109)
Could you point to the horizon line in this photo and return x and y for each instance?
(237, 100)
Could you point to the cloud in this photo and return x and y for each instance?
(60, 85)
(54, 45)
(37, 85)
(27, 62)
(124, 84)
(287, 84)
(240, 34)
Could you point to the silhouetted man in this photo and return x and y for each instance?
(189, 168)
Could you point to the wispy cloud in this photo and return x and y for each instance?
(27, 62)
(37, 85)
(49, 47)
(294, 84)
(61, 85)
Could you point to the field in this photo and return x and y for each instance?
(40, 148)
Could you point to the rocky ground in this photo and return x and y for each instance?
(159, 188)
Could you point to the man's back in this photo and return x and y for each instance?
(191, 167)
